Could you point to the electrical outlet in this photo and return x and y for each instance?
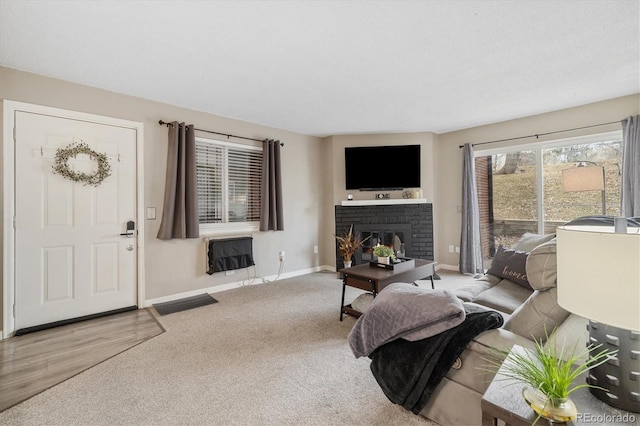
(451, 248)
(227, 273)
(281, 256)
(315, 249)
(457, 249)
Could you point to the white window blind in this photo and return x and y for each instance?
(228, 179)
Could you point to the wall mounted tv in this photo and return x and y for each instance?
(369, 168)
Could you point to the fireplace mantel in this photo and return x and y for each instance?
(383, 202)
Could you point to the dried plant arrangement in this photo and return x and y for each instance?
(349, 243)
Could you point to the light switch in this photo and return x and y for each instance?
(151, 213)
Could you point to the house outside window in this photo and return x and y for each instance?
(527, 188)
(228, 180)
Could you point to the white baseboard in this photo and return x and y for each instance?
(237, 284)
(438, 266)
(256, 281)
(447, 267)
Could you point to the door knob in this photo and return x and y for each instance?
(130, 232)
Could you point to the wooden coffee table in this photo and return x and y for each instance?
(369, 278)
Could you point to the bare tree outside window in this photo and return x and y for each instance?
(508, 163)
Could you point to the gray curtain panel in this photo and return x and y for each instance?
(630, 203)
(271, 210)
(470, 244)
(180, 208)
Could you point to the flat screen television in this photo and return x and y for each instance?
(369, 168)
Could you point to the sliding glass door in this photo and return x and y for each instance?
(535, 188)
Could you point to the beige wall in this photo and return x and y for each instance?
(327, 243)
(179, 265)
(448, 172)
(335, 181)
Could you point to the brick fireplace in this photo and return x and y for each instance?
(408, 227)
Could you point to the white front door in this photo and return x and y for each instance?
(70, 259)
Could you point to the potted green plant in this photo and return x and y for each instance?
(549, 374)
(384, 254)
(348, 244)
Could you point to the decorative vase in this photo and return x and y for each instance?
(558, 410)
(347, 263)
(384, 260)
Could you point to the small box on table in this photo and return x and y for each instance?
(399, 265)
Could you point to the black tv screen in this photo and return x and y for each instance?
(382, 167)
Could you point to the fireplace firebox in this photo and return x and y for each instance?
(397, 236)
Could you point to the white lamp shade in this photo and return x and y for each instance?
(590, 178)
(599, 274)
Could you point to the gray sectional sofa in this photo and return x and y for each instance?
(528, 313)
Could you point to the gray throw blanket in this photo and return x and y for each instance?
(405, 311)
(409, 372)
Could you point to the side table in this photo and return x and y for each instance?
(503, 401)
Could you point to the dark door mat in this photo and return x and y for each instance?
(184, 304)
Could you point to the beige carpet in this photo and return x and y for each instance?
(271, 354)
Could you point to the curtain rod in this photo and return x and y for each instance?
(543, 134)
(164, 123)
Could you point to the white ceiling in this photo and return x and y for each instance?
(328, 67)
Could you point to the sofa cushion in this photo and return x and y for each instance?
(529, 241)
(470, 291)
(572, 331)
(538, 316)
(505, 296)
(512, 265)
(453, 404)
(474, 372)
(542, 266)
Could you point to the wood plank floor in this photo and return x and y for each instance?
(34, 362)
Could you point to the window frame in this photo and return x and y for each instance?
(226, 227)
(538, 147)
